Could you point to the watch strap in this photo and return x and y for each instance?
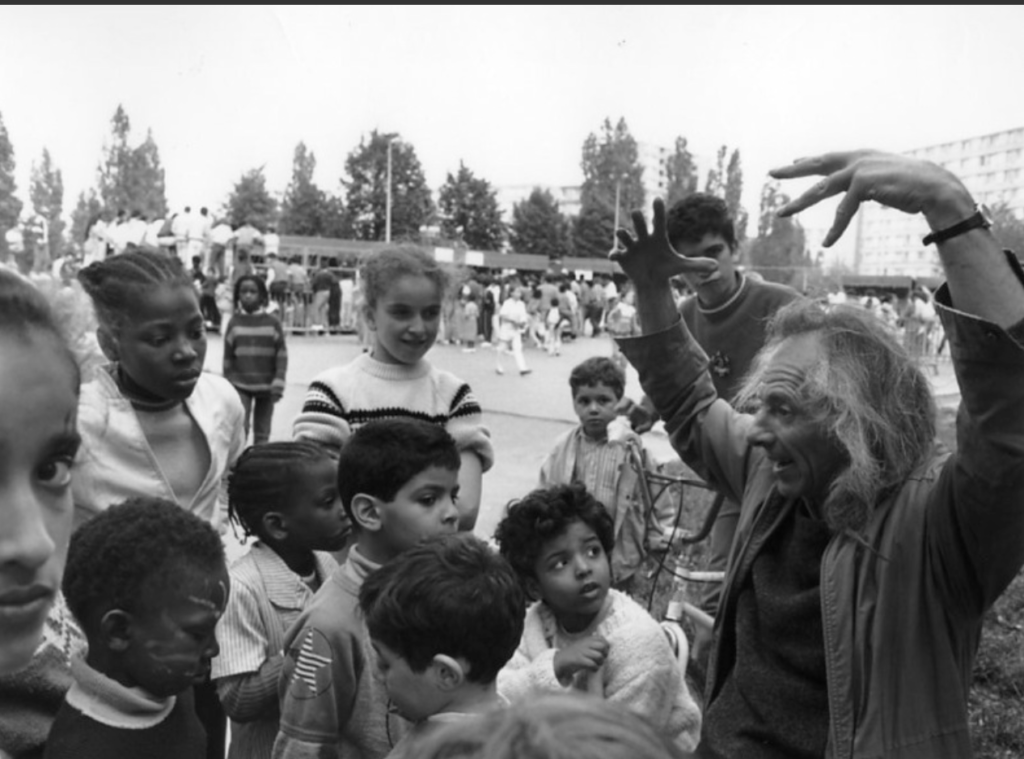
(978, 219)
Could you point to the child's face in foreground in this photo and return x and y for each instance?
(405, 319)
(316, 519)
(38, 441)
(172, 636)
(163, 345)
(423, 508)
(413, 694)
(572, 575)
(595, 406)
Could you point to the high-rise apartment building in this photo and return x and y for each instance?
(889, 242)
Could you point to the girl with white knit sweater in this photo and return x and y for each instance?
(403, 289)
(581, 634)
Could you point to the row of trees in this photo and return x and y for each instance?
(46, 193)
(131, 177)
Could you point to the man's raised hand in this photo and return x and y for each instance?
(901, 182)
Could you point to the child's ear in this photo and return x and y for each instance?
(368, 318)
(108, 343)
(448, 673)
(115, 630)
(274, 525)
(366, 512)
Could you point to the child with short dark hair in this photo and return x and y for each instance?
(444, 618)
(398, 481)
(596, 453)
(147, 582)
(255, 356)
(581, 634)
(285, 495)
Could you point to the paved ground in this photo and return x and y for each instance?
(524, 414)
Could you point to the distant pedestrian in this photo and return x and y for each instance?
(255, 356)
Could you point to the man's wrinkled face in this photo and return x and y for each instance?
(806, 457)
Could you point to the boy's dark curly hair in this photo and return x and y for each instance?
(131, 552)
(449, 595)
(546, 513)
(598, 370)
(383, 456)
(698, 215)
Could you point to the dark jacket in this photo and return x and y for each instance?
(902, 608)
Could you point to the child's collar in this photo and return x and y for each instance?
(109, 702)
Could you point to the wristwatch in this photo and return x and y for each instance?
(980, 218)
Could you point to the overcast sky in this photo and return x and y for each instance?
(512, 92)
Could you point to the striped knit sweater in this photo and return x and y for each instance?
(255, 356)
(344, 398)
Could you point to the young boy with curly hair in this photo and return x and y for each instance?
(596, 454)
(147, 581)
(398, 480)
(444, 618)
(581, 634)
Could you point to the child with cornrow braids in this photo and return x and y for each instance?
(285, 494)
(152, 422)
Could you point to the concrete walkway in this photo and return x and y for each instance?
(524, 414)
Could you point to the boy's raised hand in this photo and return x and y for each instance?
(649, 257)
(587, 654)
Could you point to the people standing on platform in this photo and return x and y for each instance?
(221, 237)
(246, 238)
(277, 281)
(271, 241)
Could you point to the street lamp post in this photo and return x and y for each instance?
(618, 193)
(387, 207)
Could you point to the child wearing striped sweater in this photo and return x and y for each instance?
(255, 356)
(403, 289)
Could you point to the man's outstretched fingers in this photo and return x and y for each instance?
(825, 164)
(833, 184)
(844, 215)
(640, 225)
(626, 240)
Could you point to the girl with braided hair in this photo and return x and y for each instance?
(285, 494)
(152, 422)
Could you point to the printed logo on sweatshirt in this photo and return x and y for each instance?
(721, 365)
(312, 673)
